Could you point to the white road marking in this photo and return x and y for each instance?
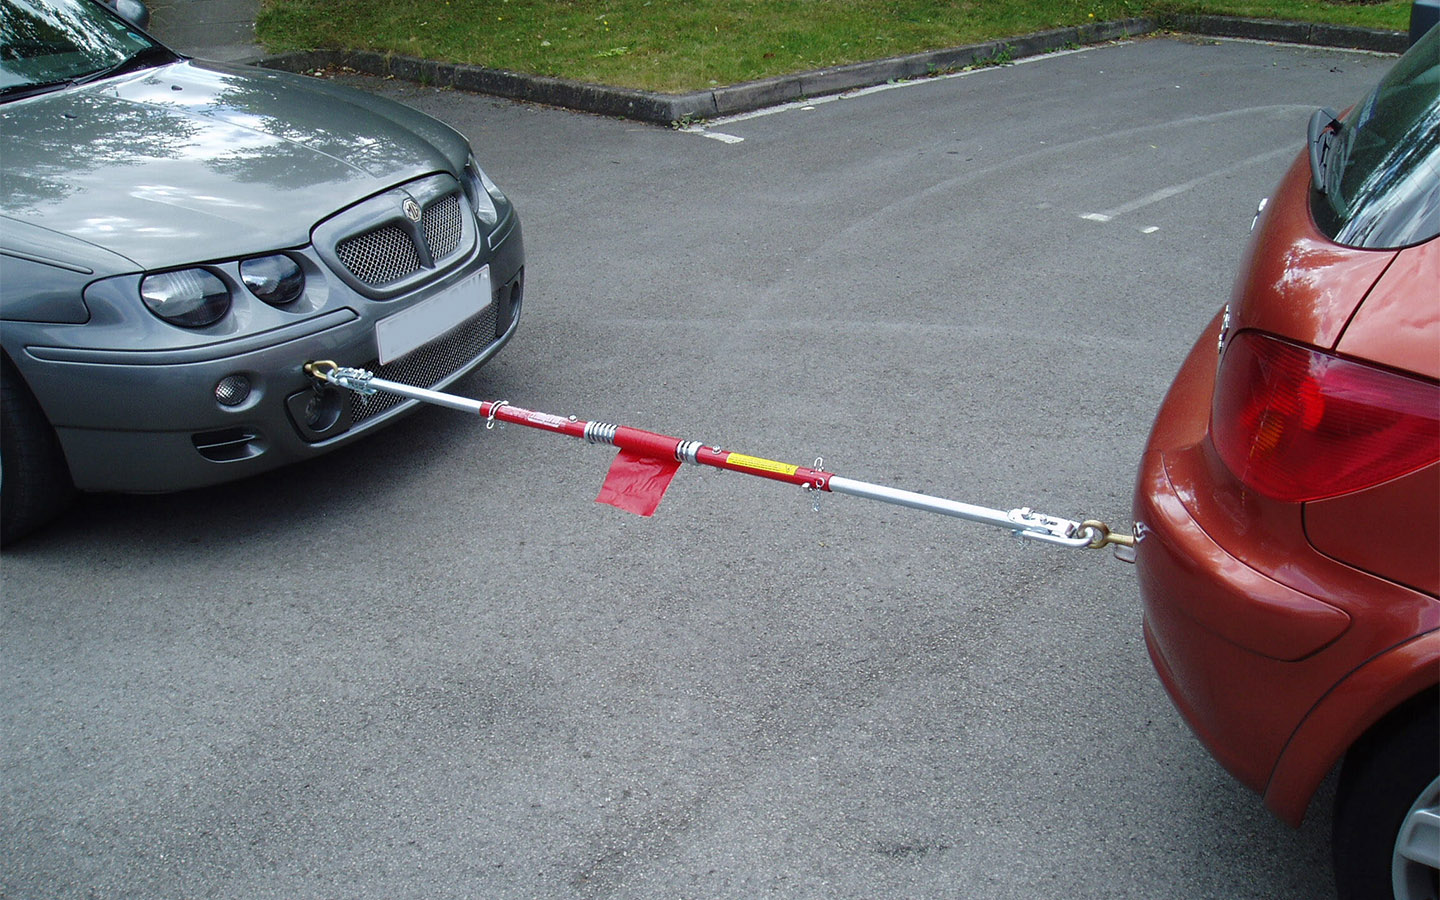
(720, 136)
(811, 102)
(1173, 190)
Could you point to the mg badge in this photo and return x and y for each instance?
(411, 209)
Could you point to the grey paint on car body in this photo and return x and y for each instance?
(154, 163)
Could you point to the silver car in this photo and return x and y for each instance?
(178, 238)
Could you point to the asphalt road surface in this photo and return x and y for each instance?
(430, 666)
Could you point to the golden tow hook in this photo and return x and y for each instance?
(1100, 535)
(320, 369)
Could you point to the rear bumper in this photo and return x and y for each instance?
(1258, 638)
(1228, 643)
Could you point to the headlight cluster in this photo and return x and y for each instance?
(190, 298)
(275, 279)
(482, 192)
(194, 298)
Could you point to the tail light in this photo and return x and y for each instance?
(1296, 423)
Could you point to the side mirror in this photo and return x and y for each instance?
(132, 11)
(1424, 14)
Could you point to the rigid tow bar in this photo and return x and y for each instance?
(647, 461)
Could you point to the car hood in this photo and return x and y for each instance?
(190, 162)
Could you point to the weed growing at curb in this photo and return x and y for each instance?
(1004, 55)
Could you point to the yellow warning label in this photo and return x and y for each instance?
(761, 465)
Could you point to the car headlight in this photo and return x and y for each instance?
(190, 298)
(490, 186)
(482, 193)
(275, 279)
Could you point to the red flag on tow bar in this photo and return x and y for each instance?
(635, 482)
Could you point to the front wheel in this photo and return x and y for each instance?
(35, 484)
(1387, 808)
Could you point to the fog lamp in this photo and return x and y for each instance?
(232, 390)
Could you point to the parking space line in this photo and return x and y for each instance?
(703, 129)
(1173, 190)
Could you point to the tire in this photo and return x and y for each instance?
(1387, 808)
(35, 484)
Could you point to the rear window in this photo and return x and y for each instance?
(1381, 186)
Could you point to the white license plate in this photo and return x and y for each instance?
(397, 335)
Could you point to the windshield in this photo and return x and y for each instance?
(1381, 189)
(53, 43)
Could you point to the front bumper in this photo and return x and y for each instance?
(148, 420)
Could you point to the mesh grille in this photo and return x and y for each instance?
(379, 257)
(387, 254)
(427, 366)
(442, 226)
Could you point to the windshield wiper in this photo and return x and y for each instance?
(21, 91)
(1324, 129)
(154, 55)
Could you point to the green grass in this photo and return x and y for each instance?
(681, 45)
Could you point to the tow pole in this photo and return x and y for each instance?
(647, 461)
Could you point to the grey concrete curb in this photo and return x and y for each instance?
(1342, 36)
(665, 109)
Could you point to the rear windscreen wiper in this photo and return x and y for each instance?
(1324, 129)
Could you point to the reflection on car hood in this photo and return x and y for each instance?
(192, 162)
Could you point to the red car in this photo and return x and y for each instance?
(1288, 500)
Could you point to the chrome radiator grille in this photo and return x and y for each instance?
(429, 365)
(441, 224)
(381, 256)
(387, 254)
